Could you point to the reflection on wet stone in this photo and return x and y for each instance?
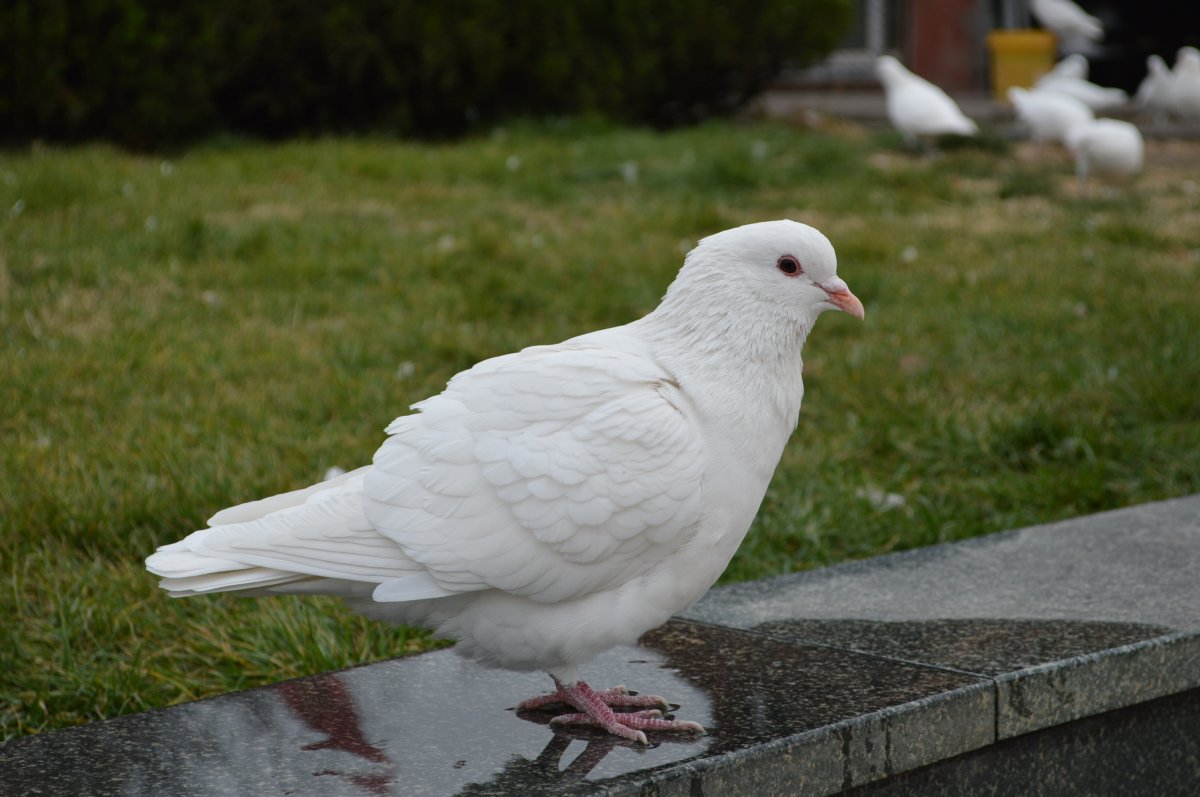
(433, 725)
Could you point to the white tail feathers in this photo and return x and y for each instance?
(175, 561)
(253, 579)
(311, 541)
(253, 510)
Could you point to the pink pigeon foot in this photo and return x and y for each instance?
(596, 709)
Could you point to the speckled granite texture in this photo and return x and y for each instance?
(1092, 756)
(434, 724)
(1033, 660)
(1068, 620)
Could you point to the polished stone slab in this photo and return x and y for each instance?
(1068, 619)
(958, 664)
(781, 717)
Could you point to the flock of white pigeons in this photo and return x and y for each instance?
(1062, 106)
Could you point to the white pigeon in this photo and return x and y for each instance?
(1098, 98)
(1107, 148)
(555, 502)
(1049, 115)
(1072, 66)
(916, 107)
(1186, 82)
(1156, 93)
(1066, 19)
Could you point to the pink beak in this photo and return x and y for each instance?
(841, 297)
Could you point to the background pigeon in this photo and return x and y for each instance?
(1107, 148)
(1050, 116)
(1067, 20)
(558, 501)
(1156, 93)
(1185, 83)
(1072, 66)
(1096, 97)
(916, 107)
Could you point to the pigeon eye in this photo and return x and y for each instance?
(789, 265)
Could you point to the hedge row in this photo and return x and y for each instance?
(145, 72)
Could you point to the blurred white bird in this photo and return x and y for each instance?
(1067, 20)
(558, 501)
(1049, 115)
(1156, 93)
(1186, 82)
(1107, 148)
(916, 107)
(1098, 98)
(1072, 66)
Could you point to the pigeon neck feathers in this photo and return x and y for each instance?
(732, 327)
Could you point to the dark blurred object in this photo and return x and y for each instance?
(145, 73)
(1135, 29)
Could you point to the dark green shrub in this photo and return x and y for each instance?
(144, 72)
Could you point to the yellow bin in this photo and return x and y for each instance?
(1019, 58)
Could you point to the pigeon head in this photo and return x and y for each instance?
(888, 69)
(782, 264)
(1073, 65)
(1188, 60)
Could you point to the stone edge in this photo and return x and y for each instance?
(835, 757)
(1064, 691)
(880, 744)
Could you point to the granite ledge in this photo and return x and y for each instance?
(780, 716)
(1067, 619)
(802, 695)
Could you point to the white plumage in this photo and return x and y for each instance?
(1156, 92)
(1049, 115)
(916, 107)
(1108, 148)
(555, 502)
(1074, 66)
(1067, 19)
(1069, 76)
(1185, 82)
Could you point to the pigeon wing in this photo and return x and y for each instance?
(550, 473)
(324, 535)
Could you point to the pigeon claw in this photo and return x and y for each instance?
(595, 709)
(616, 697)
(631, 724)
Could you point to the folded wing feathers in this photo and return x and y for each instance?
(325, 539)
(562, 494)
(549, 473)
(328, 538)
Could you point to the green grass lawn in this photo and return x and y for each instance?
(183, 334)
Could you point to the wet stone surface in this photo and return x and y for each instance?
(1060, 639)
(1046, 672)
(984, 647)
(435, 724)
(1069, 619)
